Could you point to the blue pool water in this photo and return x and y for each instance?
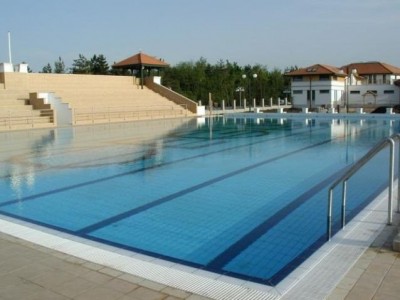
(242, 197)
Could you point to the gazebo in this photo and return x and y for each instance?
(141, 62)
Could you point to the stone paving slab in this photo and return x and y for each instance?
(376, 275)
(29, 271)
(32, 272)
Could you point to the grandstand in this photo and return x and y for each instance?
(31, 100)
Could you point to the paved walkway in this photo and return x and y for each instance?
(30, 272)
(376, 275)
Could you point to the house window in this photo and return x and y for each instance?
(324, 91)
(297, 92)
(297, 78)
(354, 92)
(324, 77)
(388, 91)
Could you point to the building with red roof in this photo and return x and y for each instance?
(364, 84)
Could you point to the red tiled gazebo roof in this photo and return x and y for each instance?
(140, 60)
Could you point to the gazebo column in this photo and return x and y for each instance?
(141, 76)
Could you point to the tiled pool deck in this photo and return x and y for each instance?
(30, 271)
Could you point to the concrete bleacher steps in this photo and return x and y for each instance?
(94, 99)
(17, 113)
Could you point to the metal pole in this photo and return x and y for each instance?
(397, 136)
(329, 223)
(344, 194)
(391, 179)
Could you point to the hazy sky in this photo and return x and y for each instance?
(274, 33)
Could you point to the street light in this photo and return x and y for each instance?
(240, 89)
(244, 77)
(254, 77)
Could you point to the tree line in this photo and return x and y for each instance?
(96, 65)
(225, 80)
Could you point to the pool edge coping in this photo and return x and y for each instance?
(331, 261)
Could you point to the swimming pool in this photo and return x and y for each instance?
(242, 197)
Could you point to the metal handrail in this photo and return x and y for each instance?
(343, 179)
(10, 118)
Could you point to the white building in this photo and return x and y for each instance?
(372, 84)
(369, 84)
(317, 86)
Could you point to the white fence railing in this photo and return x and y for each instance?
(10, 119)
(125, 113)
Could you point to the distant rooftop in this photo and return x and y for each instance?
(317, 69)
(373, 67)
(363, 68)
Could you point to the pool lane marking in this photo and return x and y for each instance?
(299, 132)
(253, 235)
(95, 181)
(129, 213)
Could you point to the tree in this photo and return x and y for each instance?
(47, 69)
(59, 66)
(196, 79)
(99, 65)
(81, 65)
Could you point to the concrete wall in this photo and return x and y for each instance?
(171, 95)
(333, 97)
(52, 82)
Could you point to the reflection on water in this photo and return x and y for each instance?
(24, 154)
(142, 144)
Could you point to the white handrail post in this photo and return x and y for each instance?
(391, 179)
(397, 136)
(329, 221)
(344, 195)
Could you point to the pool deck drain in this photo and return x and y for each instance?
(38, 264)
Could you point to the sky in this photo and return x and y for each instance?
(272, 33)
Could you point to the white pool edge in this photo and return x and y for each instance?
(314, 279)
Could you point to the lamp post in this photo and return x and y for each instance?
(254, 77)
(244, 78)
(240, 89)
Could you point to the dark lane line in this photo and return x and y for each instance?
(252, 236)
(74, 186)
(191, 189)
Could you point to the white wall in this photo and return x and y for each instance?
(63, 111)
(382, 98)
(6, 68)
(329, 99)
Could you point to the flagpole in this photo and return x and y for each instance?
(9, 47)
